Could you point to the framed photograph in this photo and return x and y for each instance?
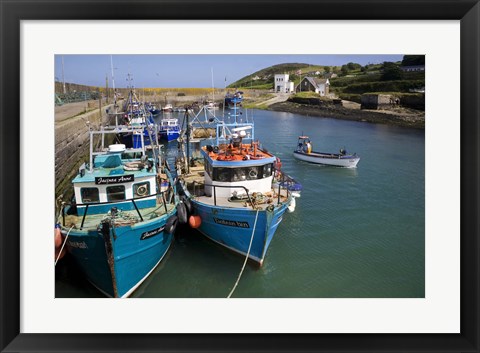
(386, 254)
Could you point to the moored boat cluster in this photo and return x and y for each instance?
(129, 198)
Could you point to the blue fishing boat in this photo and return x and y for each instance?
(233, 100)
(235, 191)
(152, 109)
(124, 218)
(136, 115)
(169, 128)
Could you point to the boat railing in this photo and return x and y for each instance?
(222, 186)
(285, 182)
(87, 205)
(281, 185)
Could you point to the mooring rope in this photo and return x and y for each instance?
(246, 257)
(63, 245)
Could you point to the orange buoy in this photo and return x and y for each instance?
(58, 238)
(195, 221)
(57, 251)
(58, 244)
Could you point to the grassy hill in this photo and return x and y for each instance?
(266, 75)
(351, 81)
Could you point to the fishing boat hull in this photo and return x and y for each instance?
(233, 100)
(233, 228)
(169, 135)
(117, 260)
(133, 140)
(155, 112)
(337, 160)
(169, 128)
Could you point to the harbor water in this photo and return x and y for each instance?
(355, 233)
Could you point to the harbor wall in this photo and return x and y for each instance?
(72, 146)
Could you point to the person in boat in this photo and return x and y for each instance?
(343, 151)
(236, 140)
(307, 147)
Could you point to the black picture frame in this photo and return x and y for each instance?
(13, 12)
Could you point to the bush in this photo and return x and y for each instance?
(323, 101)
(357, 98)
(391, 71)
(345, 81)
(308, 94)
(384, 86)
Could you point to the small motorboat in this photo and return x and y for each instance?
(343, 159)
(168, 108)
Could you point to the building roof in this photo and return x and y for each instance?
(316, 82)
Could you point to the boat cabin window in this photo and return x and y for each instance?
(132, 155)
(89, 195)
(241, 174)
(208, 167)
(116, 193)
(141, 189)
(222, 174)
(267, 170)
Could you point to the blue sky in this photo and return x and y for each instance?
(186, 70)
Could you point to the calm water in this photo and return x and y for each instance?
(354, 233)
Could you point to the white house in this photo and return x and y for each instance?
(317, 85)
(282, 84)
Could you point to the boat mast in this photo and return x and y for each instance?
(130, 85)
(213, 90)
(63, 77)
(188, 142)
(113, 82)
(224, 96)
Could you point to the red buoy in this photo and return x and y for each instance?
(57, 252)
(58, 238)
(195, 221)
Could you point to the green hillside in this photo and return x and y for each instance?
(265, 76)
(350, 80)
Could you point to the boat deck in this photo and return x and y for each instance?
(195, 185)
(240, 153)
(124, 217)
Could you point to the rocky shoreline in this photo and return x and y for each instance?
(397, 117)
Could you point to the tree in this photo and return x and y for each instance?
(391, 71)
(353, 66)
(413, 60)
(327, 69)
(344, 70)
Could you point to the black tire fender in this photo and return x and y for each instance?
(187, 203)
(182, 213)
(171, 224)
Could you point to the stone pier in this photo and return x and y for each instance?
(72, 123)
